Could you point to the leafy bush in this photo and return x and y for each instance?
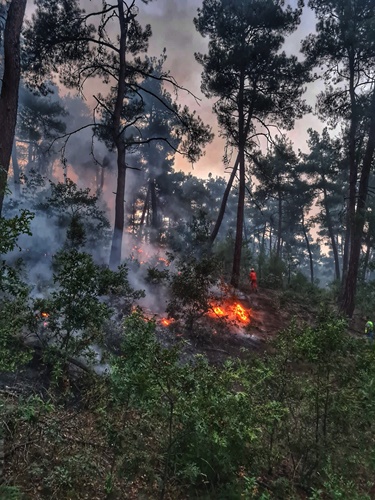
(14, 311)
(79, 306)
(190, 289)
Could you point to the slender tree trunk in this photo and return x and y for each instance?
(308, 246)
(353, 171)
(332, 236)
(154, 214)
(224, 201)
(115, 255)
(9, 88)
(367, 256)
(16, 171)
(348, 298)
(241, 191)
(154, 206)
(145, 206)
(279, 224)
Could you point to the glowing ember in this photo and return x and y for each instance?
(166, 321)
(218, 311)
(44, 315)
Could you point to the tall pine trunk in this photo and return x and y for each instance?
(350, 285)
(332, 236)
(236, 269)
(115, 255)
(353, 173)
(16, 171)
(9, 88)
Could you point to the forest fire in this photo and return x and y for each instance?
(232, 311)
(166, 321)
(44, 316)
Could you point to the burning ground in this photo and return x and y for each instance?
(235, 324)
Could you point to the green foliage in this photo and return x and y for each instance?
(155, 276)
(79, 306)
(32, 408)
(10, 229)
(78, 211)
(190, 288)
(294, 423)
(301, 291)
(14, 311)
(10, 493)
(365, 298)
(199, 425)
(273, 272)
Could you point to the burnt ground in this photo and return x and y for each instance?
(222, 338)
(270, 311)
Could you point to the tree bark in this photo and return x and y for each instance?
(9, 88)
(235, 278)
(224, 201)
(279, 222)
(154, 213)
(145, 207)
(308, 246)
(115, 255)
(366, 260)
(16, 171)
(332, 236)
(350, 285)
(227, 190)
(353, 171)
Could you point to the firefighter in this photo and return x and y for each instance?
(369, 329)
(253, 280)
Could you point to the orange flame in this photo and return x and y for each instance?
(239, 311)
(166, 321)
(218, 311)
(44, 315)
(232, 311)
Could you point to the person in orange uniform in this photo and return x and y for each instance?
(253, 280)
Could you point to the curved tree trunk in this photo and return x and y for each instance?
(9, 88)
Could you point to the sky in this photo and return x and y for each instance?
(173, 28)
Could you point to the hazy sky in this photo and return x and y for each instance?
(173, 28)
